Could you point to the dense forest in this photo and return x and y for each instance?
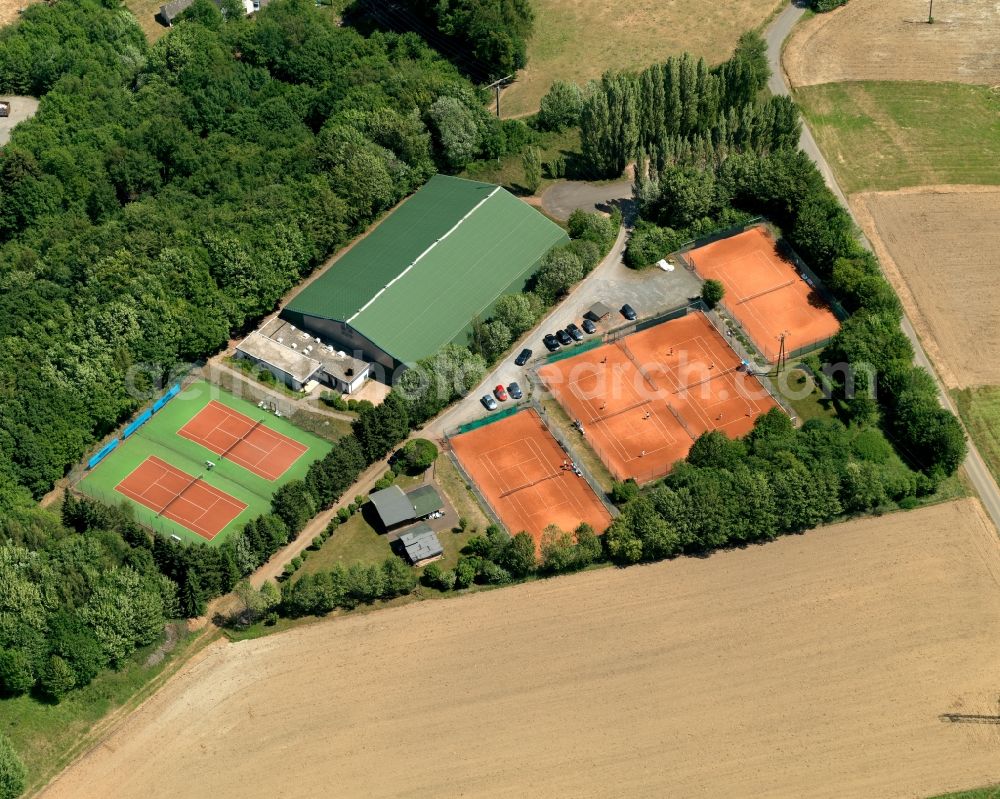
(487, 39)
(164, 198)
(161, 200)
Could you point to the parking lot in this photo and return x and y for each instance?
(21, 108)
(650, 292)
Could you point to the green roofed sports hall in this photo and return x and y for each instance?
(417, 280)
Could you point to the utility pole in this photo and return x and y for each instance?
(781, 352)
(930, 13)
(496, 86)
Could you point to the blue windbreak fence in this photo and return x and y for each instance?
(101, 455)
(138, 422)
(173, 392)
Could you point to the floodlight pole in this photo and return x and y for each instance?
(496, 86)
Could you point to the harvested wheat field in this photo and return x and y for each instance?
(940, 247)
(577, 40)
(891, 40)
(815, 666)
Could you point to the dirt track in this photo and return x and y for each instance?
(815, 666)
(940, 247)
(891, 40)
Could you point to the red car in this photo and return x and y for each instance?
(500, 393)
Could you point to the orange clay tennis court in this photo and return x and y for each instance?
(645, 398)
(242, 440)
(765, 292)
(181, 497)
(521, 470)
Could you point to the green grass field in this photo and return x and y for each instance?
(159, 437)
(979, 408)
(48, 736)
(356, 541)
(885, 135)
(977, 793)
(509, 170)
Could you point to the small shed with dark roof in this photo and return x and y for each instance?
(426, 500)
(421, 544)
(392, 506)
(597, 311)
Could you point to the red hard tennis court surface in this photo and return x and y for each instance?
(506, 458)
(176, 495)
(264, 451)
(747, 265)
(640, 427)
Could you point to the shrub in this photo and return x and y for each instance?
(317, 542)
(12, 772)
(624, 492)
(343, 514)
(271, 619)
(418, 455)
(712, 292)
(649, 243)
(593, 227)
(560, 107)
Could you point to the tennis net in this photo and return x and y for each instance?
(523, 486)
(635, 361)
(177, 496)
(680, 419)
(742, 300)
(243, 437)
(633, 406)
(722, 373)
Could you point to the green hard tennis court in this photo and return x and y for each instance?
(112, 480)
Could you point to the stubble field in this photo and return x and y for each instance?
(577, 40)
(940, 247)
(891, 40)
(815, 666)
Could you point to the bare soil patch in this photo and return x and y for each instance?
(9, 10)
(816, 666)
(940, 247)
(577, 40)
(891, 40)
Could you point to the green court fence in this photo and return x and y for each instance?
(569, 352)
(471, 484)
(495, 417)
(718, 235)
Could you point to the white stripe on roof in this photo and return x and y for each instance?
(455, 227)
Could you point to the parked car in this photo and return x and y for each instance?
(564, 338)
(628, 312)
(515, 391)
(589, 326)
(500, 393)
(574, 331)
(551, 343)
(523, 357)
(488, 402)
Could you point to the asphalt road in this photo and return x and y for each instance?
(980, 477)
